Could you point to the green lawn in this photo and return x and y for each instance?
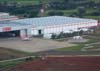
(96, 1)
(9, 64)
(13, 51)
(94, 47)
(79, 46)
(92, 40)
(69, 12)
(66, 12)
(75, 48)
(92, 17)
(23, 2)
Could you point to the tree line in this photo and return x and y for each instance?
(54, 5)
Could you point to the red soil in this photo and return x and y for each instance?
(61, 64)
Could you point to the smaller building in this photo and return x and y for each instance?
(13, 28)
(9, 28)
(7, 16)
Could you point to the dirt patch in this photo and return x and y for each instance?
(61, 64)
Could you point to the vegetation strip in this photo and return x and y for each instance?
(17, 59)
(72, 55)
(6, 64)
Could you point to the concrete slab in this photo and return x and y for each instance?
(33, 45)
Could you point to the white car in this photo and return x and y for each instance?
(25, 38)
(77, 37)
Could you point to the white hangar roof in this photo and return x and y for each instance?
(53, 20)
(10, 24)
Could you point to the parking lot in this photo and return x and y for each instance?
(33, 45)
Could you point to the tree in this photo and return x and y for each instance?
(33, 14)
(66, 1)
(95, 13)
(81, 11)
(52, 13)
(91, 3)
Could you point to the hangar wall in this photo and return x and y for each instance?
(66, 28)
(53, 24)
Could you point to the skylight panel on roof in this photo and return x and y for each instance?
(45, 21)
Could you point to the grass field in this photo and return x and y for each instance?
(11, 54)
(23, 2)
(66, 12)
(6, 54)
(8, 64)
(73, 48)
(34, 1)
(79, 46)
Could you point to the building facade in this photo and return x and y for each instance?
(47, 26)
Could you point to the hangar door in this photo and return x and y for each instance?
(15, 33)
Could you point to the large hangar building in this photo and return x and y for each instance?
(46, 26)
(10, 28)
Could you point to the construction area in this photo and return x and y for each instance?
(60, 63)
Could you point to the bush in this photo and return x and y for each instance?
(53, 36)
(29, 59)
